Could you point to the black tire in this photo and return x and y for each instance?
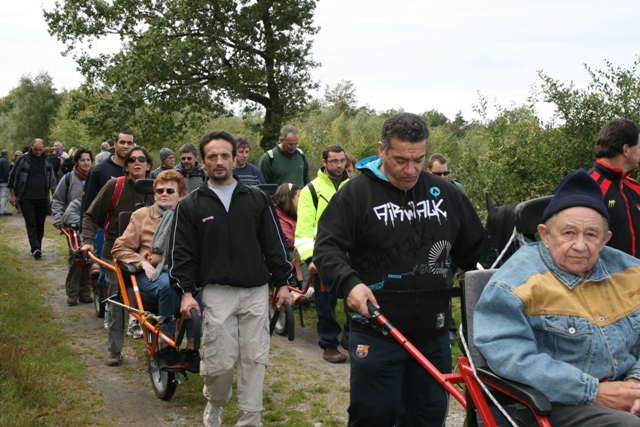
(289, 321)
(164, 383)
(99, 294)
(282, 326)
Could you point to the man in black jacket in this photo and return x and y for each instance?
(390, 236)
(618, 153)
(227, 240)
(30, 182)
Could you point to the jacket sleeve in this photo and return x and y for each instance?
(98, 209)
(59, 203)
(465, 252)
(336, 237)
(305, 173)
(506, 340)
(90, 190)
(126, 247)
(183, 259)
(15, 173)
(273, 246)
(305, 233)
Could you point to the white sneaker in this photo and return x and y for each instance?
(134, 330)
(212, 416)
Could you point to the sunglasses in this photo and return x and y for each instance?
(141, 159)
(441, 173)
(186, 159)
(165, 190)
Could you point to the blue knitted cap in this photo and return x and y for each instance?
(576, 189)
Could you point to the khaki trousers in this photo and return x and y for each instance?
(235, 326)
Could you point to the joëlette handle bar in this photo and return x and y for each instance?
(100, 262)
(435, 373)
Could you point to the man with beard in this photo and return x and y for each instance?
(227, 241)
(313, 200)
(189, 167)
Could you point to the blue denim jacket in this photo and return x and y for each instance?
(557, 332)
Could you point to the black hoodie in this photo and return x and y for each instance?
(401, 244)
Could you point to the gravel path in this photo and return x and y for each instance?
(127, 396)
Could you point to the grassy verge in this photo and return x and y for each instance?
(41, 378)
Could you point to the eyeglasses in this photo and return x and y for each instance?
(337, 161)
(165, 190)
(141, 159)
(446, 173)
(186, 159)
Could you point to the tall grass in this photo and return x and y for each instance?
(41, 378)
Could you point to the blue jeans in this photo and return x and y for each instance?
(328, 326)
(389, 387)
(168, 299)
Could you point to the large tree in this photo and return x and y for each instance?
(27, 111)
(196, 54)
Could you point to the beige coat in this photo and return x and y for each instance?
(134, 246)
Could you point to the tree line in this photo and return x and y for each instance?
(513, 154)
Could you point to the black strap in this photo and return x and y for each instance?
(314, 195)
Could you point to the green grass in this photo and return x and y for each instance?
(42, 381)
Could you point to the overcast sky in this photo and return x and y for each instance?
(417, 55)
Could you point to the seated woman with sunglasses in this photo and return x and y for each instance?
(137, 165)
(144, 244)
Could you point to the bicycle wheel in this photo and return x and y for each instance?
(99, 295)
(164, 383)
(282, 326)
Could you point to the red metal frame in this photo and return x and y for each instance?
(465, 376)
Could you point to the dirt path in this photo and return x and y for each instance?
(127, 396)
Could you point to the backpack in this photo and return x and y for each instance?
(117, 192)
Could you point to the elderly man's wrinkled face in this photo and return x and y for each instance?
(575, 237)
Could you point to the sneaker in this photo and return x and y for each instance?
(191, 359)
(37, 253)
(169, 357)
(114, 359)
(85, 300)
(94, 272)
(333, 355)
(71, 301)
(212, 416)
(135, 330)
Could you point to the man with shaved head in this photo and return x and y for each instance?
(30, 181)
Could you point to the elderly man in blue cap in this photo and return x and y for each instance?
(563, 315)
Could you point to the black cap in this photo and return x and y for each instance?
(576, 189)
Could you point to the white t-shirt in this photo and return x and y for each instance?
(224, 192)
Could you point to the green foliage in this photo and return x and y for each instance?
(73, 133)
(612, 93)
(27, 111)
(195, 55)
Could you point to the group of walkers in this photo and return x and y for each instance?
(209, 239)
